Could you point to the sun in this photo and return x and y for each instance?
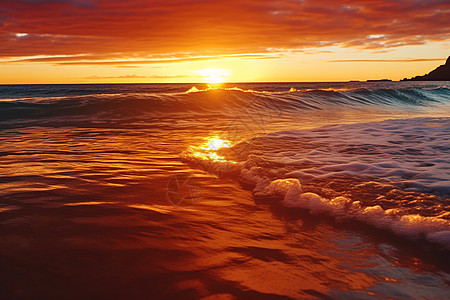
(214, 75)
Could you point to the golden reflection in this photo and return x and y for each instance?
(89, 203)
(208, 150)
(210, 157)
(216, 143)
(218, 86)
(8, 208)
(157, 208)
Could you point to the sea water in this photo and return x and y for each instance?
(264, 190)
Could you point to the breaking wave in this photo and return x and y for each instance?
(123, 104)
(392, 175)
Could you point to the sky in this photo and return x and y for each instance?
(112, 41)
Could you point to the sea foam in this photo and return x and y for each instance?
(391, 175)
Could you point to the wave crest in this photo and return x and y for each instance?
(223, 101)
(394, 183)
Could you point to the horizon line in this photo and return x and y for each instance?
(206, 83)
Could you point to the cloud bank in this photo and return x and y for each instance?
(103, 30)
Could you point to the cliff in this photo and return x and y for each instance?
(441, 73)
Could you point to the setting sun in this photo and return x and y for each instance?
(214, 75)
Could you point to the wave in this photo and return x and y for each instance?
(392, 175)
(118, 104)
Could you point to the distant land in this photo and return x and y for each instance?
(441, 73)
(377, 80)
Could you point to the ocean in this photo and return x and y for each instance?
(237, 191)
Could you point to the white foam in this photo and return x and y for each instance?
(412, 151)
(435, 229)
(394, 155)
(288, 188)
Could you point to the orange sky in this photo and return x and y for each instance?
(89, 41)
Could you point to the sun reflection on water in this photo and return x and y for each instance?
(216, 144)
(208, 151)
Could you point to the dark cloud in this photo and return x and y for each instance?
(79, 3)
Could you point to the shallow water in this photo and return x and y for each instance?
(146, 191)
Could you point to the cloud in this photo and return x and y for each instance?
(121, 60)
(138, 28)
(134, 76)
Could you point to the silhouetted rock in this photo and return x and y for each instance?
(441, 73)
